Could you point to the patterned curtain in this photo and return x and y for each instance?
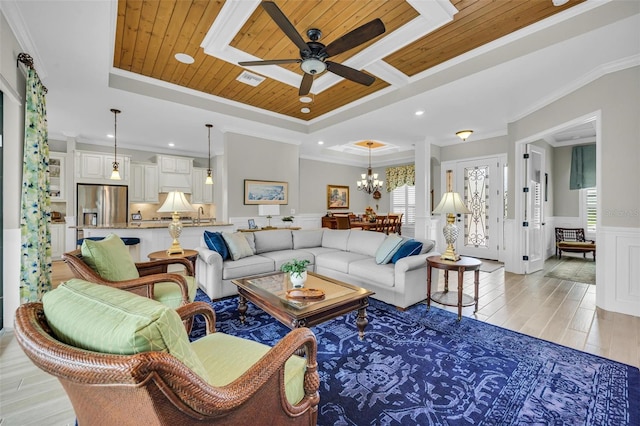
(35, 268)
(401, 175)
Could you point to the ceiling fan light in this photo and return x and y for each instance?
(313, 66)
(464, 134)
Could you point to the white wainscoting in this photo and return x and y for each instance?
(304, 221)
(618, 270)
(510, 253)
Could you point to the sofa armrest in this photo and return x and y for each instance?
(412, 262)
(210, 257)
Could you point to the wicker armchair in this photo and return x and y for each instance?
(155, 388)
(150, 273)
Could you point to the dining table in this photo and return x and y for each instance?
(362, 224)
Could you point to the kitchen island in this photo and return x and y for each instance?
(154, 235)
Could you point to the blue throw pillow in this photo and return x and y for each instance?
(215, 242)
(409, 248)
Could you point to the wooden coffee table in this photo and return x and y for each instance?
(269, 293)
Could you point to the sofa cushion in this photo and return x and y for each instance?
(110, 258)
(283, 256)
(168, 293)
(338, 260)
(267, 241)
(105, 319)
(388, 248)
(227, 357)
(215, 242)
(250, 237)
(246, 266)
(317, 251)
(307, 238)
(238, 245)
(369, 271)
(335, 238)
(408, 248)
(365, 242)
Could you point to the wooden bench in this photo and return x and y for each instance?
(572, 240)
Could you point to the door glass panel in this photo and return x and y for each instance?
(476, 197)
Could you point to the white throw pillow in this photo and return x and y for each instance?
(238, 245)
(388, 248)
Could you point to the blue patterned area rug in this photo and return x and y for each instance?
(426, 368)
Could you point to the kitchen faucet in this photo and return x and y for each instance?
(200, 209)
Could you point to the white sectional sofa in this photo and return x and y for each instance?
(346, 255)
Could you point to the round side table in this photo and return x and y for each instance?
(190, 255)
(453, 298)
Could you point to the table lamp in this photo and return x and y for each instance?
(451, 204)
(269, 210)
(175, 204)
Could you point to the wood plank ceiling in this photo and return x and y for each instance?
(150, 32)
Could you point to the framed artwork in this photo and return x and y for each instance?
(337, 197)
(252, 224)
(265, 192)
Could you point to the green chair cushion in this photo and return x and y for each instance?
(103, 319)
(227, 357)
(110, 258)
(169, 293)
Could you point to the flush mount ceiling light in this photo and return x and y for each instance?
(209, 179)
(115, 173)
(464, 134)
(559, 2)
(184, 58)
(306, 99)
(305, 110)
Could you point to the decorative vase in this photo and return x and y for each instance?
(298, 278)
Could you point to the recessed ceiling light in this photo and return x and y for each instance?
(320, 142)
(305, 110)
(419, 112)
(306, 99)
(184, 58)
(110, 136)
(171, 144)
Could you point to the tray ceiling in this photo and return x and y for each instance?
(420, 34)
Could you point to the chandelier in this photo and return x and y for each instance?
(369, 182)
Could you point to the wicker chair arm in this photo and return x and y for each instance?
(189, 310)
(160, 266)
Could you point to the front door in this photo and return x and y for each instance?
(479, 182)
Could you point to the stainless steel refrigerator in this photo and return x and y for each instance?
(102, 205)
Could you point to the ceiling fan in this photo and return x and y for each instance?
(313, 54)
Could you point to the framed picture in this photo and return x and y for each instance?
(252, 224)
(265, 192)
(337, 197)
(136, 216)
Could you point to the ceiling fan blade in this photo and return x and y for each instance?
(350, 73)
(285, 25)
(270, 62)
(355, 38)
(305, 86)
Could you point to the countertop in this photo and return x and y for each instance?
(152, 225)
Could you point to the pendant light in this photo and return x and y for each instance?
(115, 174)
(209, 180)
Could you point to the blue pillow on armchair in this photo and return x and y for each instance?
(216, 243)
(409, 248)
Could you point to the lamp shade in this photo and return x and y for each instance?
(176, 202)
(451, 203)
(269, 209)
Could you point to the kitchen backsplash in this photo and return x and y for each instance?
(150, 211)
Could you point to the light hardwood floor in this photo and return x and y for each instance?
(548, 308)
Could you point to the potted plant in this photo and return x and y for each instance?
(297, 270)
(287, 220)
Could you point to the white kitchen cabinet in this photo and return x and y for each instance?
(201, 192)
(171, 164)
(96, 167)
(57, 177)
(174, 173)
(57, 240)
(143, 186)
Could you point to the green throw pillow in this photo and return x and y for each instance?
(103, 319)
(110, 258)
(238, 245)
